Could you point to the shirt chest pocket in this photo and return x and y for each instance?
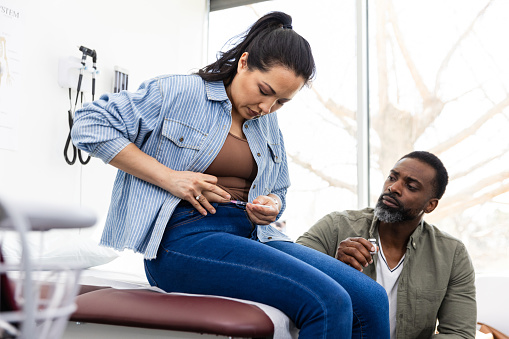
(275, 152)
(180, 144)
(427, 303)
(270, 167)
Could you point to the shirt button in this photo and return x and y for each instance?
(269, 238)
(254, 186)
(181, 139)
(258, 154)
(246, 126)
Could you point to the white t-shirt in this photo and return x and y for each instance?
(389, 278)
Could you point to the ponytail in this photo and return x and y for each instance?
(270, 41)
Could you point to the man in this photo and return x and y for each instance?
(428, 274)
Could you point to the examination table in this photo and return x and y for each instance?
(106, 312)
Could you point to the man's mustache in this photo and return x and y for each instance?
(392, 197)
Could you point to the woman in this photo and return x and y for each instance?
(186, 146)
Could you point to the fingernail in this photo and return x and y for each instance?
(371, 261)
(366, 265)
(213, 211)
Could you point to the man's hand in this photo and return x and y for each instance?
(355, 252)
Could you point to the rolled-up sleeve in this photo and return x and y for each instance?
(106, 126)
(323, 235)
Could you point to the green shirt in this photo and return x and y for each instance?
(437, 280)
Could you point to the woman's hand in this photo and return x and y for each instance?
(265, 214)
(182, 184)
(214, 197)
(197, 188)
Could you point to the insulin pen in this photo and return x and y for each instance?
(373, 241)
(243, 203)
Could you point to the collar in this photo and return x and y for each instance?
(216, 91)
(373, 229)
(415, 235)
(412, 241)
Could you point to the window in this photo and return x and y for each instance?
(439, 81)
(319, 123)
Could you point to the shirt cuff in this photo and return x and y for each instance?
(268, 233)
(109, 149)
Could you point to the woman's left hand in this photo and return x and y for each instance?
(267, 212)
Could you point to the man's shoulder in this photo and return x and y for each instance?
(432, 231)
(354, 219)
(366, 214)
(443, 241)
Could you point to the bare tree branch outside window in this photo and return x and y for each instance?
(439, 74)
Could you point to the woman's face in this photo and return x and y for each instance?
(254, 93)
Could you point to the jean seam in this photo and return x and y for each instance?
(178, 214)
(253, 225)
(147, 271)
(316, 297)
(187, 221)
(360, 324)
(196, 217)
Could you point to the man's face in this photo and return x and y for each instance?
(407, 192)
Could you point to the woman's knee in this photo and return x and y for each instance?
(338, 306)
(380, 295)
(373, 300)
(334, 300)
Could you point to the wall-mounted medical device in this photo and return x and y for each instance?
(77, 74)
(120, 80)
(69, 69)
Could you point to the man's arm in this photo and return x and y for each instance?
(322, 236)
(457, 315)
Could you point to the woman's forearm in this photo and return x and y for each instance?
(135, 162)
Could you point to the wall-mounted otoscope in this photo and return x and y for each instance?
(86, 52)
(93, 54)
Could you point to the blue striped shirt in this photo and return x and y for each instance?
(182, 121)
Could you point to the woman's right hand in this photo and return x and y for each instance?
(214, 197)
(182, 184)
(197, 188)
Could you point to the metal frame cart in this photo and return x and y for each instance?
(37, 299)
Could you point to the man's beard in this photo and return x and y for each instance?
(388, 214)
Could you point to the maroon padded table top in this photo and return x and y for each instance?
(149, 309)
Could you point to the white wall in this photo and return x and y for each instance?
(148, 38)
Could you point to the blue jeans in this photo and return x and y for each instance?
(217, 255)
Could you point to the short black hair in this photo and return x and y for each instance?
(441, 177)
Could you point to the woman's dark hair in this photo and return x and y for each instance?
(441, 176)
(270, 41)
